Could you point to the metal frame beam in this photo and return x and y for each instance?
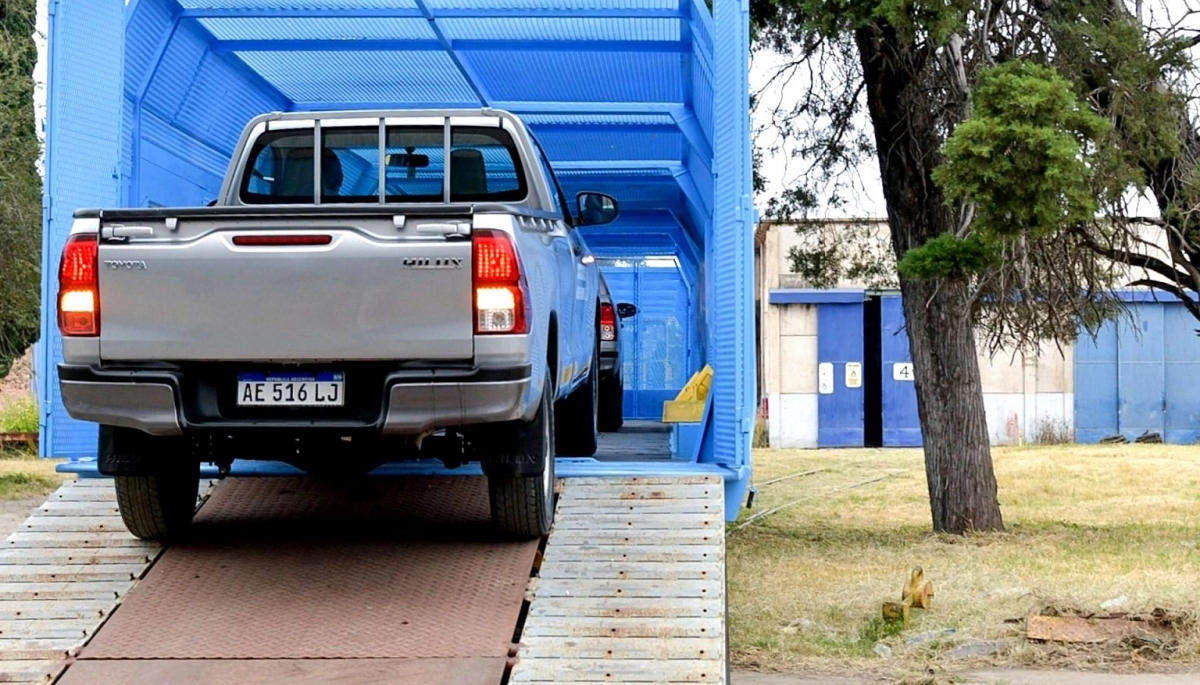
(586, 108)
(691, 191)
(446, 44)
(317, 107)
(592, 125)
(132, 192)
(450, 46)
(671, 166)
(408, 12)
(690, 127)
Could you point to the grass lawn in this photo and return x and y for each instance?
(22, 474)
(25, 475)
(1086, 525)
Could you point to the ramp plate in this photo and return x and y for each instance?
(295, 568)
(477, 671)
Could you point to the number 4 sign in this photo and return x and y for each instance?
(902, 371)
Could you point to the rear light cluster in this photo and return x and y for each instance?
(500, 301)
(608, 322)
(79, 286)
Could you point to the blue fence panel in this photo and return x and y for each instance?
(1097, 408)
(1181, 390)
(1140, 370)
(1139, 375)
(901, 421)
(839, 406)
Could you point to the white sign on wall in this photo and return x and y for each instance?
(853, 375)
(825, 378)
(902, 371)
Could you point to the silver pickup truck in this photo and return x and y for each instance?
(421, 292)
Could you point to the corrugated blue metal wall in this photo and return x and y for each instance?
(1140, 375)
(83, 145)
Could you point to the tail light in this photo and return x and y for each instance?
(280, 240)
(499, 286)
(79, 286)
(608, 322)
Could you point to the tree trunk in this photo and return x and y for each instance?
(904, 96)
(958, 459)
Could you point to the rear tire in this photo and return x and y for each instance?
(159, 506)
(612, 404)
(578, 416)
(523, 506)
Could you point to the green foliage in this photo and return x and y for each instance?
(949, 257)
(1089, 34)
(20, 416)
(20, 185)
(1026, 160)
(831, 252)
(819, 266)
(780, 21)
(1024, 157)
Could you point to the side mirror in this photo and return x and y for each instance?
(626, 310)
(596, 208)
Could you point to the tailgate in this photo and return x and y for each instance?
(213, 289)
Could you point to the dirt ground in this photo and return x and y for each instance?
(990, 677)
(17, 384)
(13, 513)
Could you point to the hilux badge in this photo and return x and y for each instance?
(431, 263)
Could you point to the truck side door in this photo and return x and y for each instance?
(566, 277)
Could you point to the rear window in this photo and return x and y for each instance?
(484, 166)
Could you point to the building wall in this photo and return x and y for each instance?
(1025, 396)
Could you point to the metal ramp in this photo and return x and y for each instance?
(632, 585)
(290, 580)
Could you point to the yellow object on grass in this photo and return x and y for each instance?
(688, 405)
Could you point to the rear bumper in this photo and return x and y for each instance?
(413, 401)
(608, 364)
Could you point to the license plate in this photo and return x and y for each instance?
(291, 390)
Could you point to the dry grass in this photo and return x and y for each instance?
(1086, 525)
(26, 475)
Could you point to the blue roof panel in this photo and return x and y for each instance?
(317, 28)
(561, 28)
(596, 6)
(331, 6)
(610, 143)
(403, 78)
(553, 76)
